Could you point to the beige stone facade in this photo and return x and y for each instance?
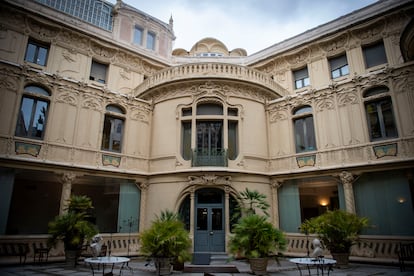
(322, 120)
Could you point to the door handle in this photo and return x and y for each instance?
(211, 233)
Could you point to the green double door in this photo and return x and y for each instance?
(209, 232)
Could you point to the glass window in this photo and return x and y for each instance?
(186, 140)
(304, 130)
(31, 122)
(113, 130)
(209, 109)
(36, 53)
(301, 78)
(339, 66)
(150, 41)
(138, 35)
(380, 115)
(232, 138)
(98, 72)
(374, 55)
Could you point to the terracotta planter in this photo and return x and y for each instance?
(342, 259)
(258, 266)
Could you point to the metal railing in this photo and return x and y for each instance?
(216, 157)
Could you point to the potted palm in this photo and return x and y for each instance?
(338, 231)
(73, 227)
(166, 241)
(254, 237)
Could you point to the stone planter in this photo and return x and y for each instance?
(342, 259)
(258, 266)
(163, 266)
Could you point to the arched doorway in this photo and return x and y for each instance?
(209, 221)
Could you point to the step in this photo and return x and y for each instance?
(190, 268)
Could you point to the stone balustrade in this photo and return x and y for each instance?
(210, 71)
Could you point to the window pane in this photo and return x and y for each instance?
(24, 121)
(216, 219)
(373, 121)
(36, 90)
(298, 84)
(209, 109)
(304, 134)
(42, 56)
(98, 72)
(336, 73)
(301, 74)
(345, 70)
(138, 35)
(303, 110)
(202, 216)
(232, 140)
(306, 82)
(338, 62)
(39, 119)
(374, 55)
(112, 134)
(389, 126)
(186, 140)
(150, 41)
(30, 53)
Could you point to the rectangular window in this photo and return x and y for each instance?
(112, 134)
(150, 41)
(31, 121)
(339, 66)
(232, 136)
(138, 35)
(374, 55)
(301, 78)
(36, 53)
(98, 72)
(381, 121)
(304, 134)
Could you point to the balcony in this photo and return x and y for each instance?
(212, 157)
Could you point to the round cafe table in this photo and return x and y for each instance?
(107, 260)
(319, 263)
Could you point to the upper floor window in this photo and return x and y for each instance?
(303, 129)
(374, 54)
(138, 35)
(98, 72)
(301, 78)
(339, 66)
(113, 129)
(36, 52)
(31, 122)
(380, 115)
(150, 41)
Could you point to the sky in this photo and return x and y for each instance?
(249, 24)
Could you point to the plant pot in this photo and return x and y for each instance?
(71, 257)
(342, 259)
(163, 266)
(258, 266)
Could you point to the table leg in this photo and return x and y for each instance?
(93, 272)
(300, 271)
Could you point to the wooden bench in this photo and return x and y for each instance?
(15, 250)
(405, 253)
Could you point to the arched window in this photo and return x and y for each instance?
(303, 129)
(215, 135)
(380, 114)
(31, 122)
(113, 128)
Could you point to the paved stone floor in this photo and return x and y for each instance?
(140, 267)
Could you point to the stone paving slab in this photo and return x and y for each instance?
(142, 268)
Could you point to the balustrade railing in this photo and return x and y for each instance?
(216, 158)
(210, 70)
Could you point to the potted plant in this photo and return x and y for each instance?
(166, 241)
(338, 231)
(73, 227)
(254, 237)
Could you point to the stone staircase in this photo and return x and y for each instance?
(207, 262)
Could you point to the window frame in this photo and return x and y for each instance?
(369, 52)
(336, 64)
(153, 36)
(114, 113)
(96, 67)
(304, 80)
(38, 95)
(377, 97)
(37, 45)
(302, 114)
(134, 39)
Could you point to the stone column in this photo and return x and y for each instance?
(192, 212)
(66, 180)
(347, 179)
(227, 213)
(275, 185)
(143, 204)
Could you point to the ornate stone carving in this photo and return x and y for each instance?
(42, 30)
(277, 115)
(336, 44)
(209, 179)
(68, 98)
(92, 103)
(348, 98)
(298, 57)
(325, 104)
